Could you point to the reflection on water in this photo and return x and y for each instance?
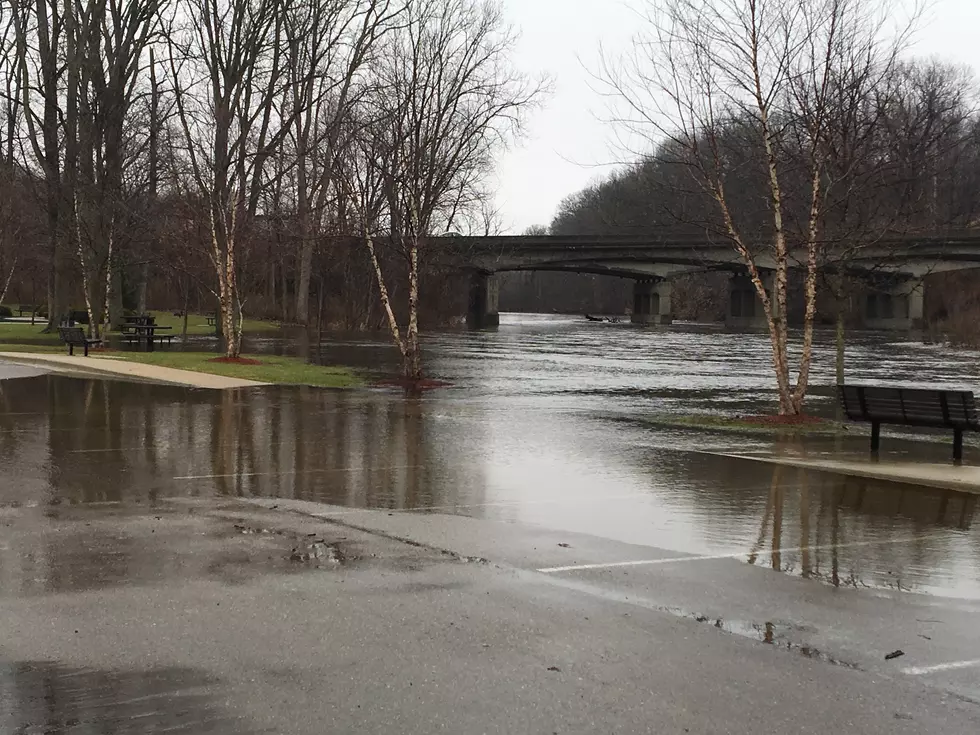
(539, 429)
(41, 697)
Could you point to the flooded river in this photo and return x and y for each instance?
(547, 423)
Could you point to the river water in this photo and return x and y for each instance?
(549, 421)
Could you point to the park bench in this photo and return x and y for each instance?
(75, 337)
(930, 408)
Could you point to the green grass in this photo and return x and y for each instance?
(274, 369)
(197, 325)
(55, 349)
(23, 331)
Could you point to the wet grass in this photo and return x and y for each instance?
(271, 368)
(739, 425)
(197, 325)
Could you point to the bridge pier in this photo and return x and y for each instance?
(745, 309)
(651, 302)
(483, 311)
(895, 306)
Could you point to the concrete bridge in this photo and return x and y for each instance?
(893, 267)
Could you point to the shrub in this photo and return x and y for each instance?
(5, 312)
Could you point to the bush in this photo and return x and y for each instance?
(5, 312)
(42, 311)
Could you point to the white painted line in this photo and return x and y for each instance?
(732, 555)
(951, 666)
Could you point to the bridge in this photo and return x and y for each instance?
(895, 269)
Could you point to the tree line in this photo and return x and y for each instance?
(268, 154)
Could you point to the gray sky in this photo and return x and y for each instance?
(568, 144)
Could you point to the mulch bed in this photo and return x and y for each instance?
(235, 360)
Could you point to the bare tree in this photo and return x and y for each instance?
(766, 73)
(330, 43)
(445, 100)
(229, 69)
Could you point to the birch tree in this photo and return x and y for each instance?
(229, 70)
(768, 70)
(446, 100)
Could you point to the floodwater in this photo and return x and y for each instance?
(547, 423)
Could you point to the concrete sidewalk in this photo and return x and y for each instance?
(943, 476)
(118, 367)
(213, 616)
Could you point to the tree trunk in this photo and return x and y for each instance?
(187, 295)
(141, 287)
(385, 301)
(413, 355)
(305, 269)
(6, 285)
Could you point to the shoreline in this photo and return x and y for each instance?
(189, 369)
(114, 367)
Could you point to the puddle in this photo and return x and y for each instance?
(779, 634)
(44, 697)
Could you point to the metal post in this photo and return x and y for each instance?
(957, 445)
(875, 437)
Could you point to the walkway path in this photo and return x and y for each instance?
(944, 476)
(118, 367)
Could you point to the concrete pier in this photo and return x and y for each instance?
(483, 311)
(652, 302)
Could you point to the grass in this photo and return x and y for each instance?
(273, 368)
(54, 349)
(23, 331)
(197, 325)
(734, 424)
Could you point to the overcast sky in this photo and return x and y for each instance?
(568, 144)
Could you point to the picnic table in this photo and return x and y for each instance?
(145, 335)
(138, 319)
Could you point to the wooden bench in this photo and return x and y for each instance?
(75, 337)
(931, 408)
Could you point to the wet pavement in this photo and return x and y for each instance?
(127, 495)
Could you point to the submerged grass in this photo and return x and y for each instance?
(742, 425)
(271, 368)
